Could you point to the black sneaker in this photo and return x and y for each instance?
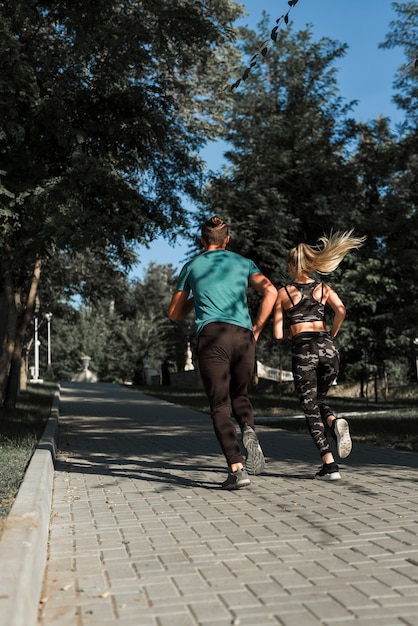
(329, 471)
(255, 461)
(341, 434)
(236, 480)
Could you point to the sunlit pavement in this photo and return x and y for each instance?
(142, 534)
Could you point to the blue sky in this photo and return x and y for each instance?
(365, 74)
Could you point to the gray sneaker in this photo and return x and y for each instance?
(341, 434)
(236, 480)
(255, 461)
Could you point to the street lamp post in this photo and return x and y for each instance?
(416, 354)
(48, 317)
(36, 349)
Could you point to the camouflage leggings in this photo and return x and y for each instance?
(315, 364)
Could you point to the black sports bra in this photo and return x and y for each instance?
(308, 309)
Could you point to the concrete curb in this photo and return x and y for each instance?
(23, 545)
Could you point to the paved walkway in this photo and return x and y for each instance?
(142, 535)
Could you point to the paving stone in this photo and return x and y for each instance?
(300, 617)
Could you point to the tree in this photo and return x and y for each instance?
(103, 107)
(401, 198)
(373, 337)
(161, 340)
(404, 33)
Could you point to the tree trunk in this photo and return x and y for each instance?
(362, 380)
(23, 322)
(24, 367)
(386, 384)
(8, 321)
(23, 376)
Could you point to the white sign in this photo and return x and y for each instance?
(272, 373)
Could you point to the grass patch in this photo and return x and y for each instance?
(391, 424)
(20, 430)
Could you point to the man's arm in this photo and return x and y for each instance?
(263, 285)
(180, 305)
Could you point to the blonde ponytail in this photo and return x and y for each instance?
(327, 258)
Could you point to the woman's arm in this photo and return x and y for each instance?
(278, 316)
(338, 307)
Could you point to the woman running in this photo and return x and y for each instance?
(300, 309)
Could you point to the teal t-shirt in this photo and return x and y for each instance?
(218, 280)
